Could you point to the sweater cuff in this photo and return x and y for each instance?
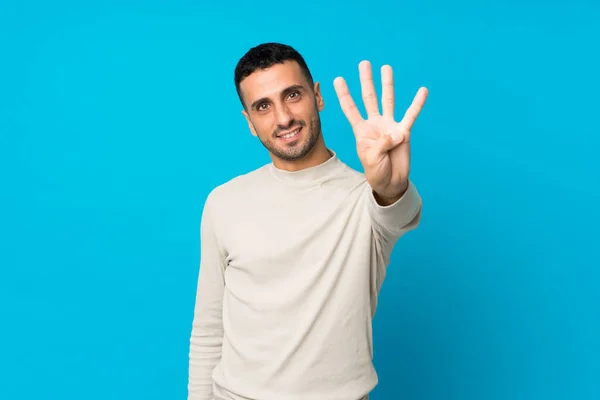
(399, 214)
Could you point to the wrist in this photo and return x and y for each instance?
(384, 198)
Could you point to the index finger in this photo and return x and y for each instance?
(346, 102)
(411, 114)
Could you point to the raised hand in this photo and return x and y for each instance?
(383, 145)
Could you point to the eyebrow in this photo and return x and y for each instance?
(285, 91)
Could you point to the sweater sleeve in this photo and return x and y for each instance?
(390, 222)
(207, 326)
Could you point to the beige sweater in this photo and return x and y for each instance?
(290, 268)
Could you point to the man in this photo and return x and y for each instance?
(293, 254)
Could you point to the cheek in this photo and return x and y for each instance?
(264, 127)
(309, 109)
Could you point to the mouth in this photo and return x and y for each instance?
(289, 136)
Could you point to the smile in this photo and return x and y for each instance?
(292, 135)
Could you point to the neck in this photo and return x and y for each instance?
(318, 155)
(309, 177)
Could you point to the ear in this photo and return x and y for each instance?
(319, 97)
(250, 125)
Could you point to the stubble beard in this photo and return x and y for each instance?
(297, 150)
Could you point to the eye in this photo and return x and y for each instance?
(294, 94)
(261, 107)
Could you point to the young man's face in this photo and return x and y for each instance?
(282, 110)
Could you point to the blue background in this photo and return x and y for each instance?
(117, 118)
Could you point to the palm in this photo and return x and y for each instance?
(383, 145)
(389, 167)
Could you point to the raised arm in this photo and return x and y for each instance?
(391, 221)
(207, 327)
(383, 147)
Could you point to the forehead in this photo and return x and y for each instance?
(271, 81)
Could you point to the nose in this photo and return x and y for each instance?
(284, 116)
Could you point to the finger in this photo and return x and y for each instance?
(385, 144)
(415, 109)
(380, 150)
(400, 134)
(368, 88)
(346, 102)
(387, 95)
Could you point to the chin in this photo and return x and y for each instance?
(298, 151)
(295, 150)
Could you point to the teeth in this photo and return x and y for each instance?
(289, 135)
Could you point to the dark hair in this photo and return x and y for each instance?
(264, 56)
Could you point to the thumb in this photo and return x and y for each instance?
(385, 144)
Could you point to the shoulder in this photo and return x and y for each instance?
(352, 173)
(234, 189)
(350, 178)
